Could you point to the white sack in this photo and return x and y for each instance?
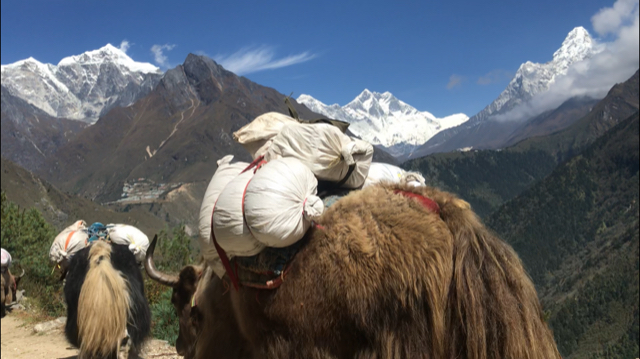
(6, 258)
(224, 174)
(382, 172)
(131, 236)
(69, 241)
(325, 150)
(229, 227)
(255, 137)
(280, 202)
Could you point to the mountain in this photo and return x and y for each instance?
(483, 130)
(160, 153)
(489, 178)
(59, 208)
(577, 233)
(29, 135)
(82, 87)
(383, 120)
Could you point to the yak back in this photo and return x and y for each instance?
(122, 260)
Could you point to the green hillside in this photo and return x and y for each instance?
(489, 178)
(577, 233)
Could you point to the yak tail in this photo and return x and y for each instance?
(103, 306)
(493, 310)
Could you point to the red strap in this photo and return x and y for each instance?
(223, 255)
(66, 244)
(244, 218)
(427, 202)
(258, 162)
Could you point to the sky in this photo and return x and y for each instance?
(444, 57)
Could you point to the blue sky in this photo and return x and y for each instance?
(330, 50)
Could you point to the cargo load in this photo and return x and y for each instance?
(71, 240)
(6, 258)
(257, 135)
(331, 155)
(280, 202)
(226, 172)
(229, 227)
(130, 236)
(382, 172)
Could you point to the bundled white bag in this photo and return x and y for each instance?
(325, 150)
(131, 236)
(69, 241)
(280, 202)
(382, 172)
(229, 227)
(224, 174)
(256, 136)
(6, 258)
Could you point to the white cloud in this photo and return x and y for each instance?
(609, 20)
(595, 76)
(159, 56)
(254, 59)
(454, 81)
(124, 46)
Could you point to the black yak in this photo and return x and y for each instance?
(106, 305)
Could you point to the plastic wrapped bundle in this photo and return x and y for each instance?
(226, 172)
(229, 227)
(71, 240)
(326, 151)
(280, 202)
(256, 136)
(382, 172)
(130, 236)
(6, 258)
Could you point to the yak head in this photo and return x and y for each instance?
(184, 287)
(9, 287)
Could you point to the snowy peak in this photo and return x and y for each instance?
(578, 45)
(382, 119)
(109, 54)
(81, 87)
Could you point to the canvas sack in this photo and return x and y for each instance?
(71, 240)
(383, 172)
(226, 172)
(229, 227)
(6, 258)
(325, 150)
(130, 236)
(280, 202)
(256, 136)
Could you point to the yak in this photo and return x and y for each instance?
(106, 305)
(389, 272)
(9, 289)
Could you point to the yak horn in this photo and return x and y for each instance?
(21, 275)
(155, 274)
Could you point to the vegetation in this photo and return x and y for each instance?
(577, 232)
(28, 237)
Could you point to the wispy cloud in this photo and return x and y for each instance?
(254, 59)
(159, 56)
(594, 77)
(124, 46)
(495, 76)
(455, 81)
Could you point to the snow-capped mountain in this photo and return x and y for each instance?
(81, 87)
(530, 80)
(382, 119)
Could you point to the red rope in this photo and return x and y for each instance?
(427, 202)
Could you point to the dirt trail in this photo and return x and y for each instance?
(20, 342)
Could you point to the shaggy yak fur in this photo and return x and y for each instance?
(9, 289)
(104, 292)
(386, 278)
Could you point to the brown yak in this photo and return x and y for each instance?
(9, 289)
(383, 276)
